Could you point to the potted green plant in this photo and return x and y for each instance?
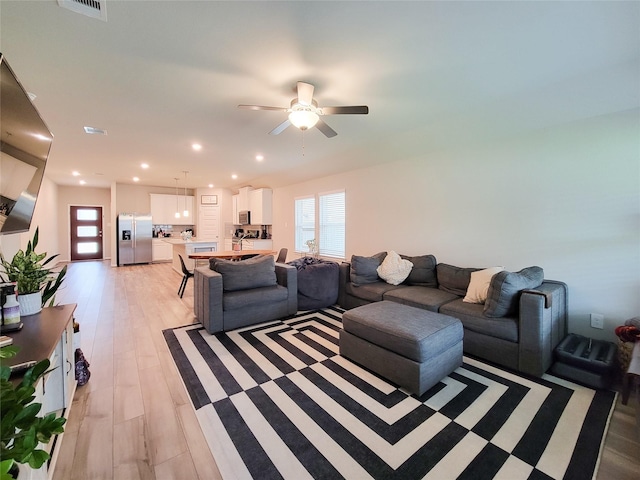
(35, 281)
(21, 429)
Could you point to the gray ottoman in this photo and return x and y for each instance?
(412, 347)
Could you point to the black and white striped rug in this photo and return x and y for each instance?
(276, 400)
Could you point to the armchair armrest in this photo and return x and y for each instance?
(287, 276)
(207, 300)
(542, 325)
(344, 277)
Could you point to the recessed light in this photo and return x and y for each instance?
(144, 165)
(136, 179)
(82, 182)
(75, 173)
(234, 176)
(211, 185)
(259, 157)
(196, 146)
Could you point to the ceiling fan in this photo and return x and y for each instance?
(304, 112)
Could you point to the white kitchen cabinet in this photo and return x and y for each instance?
(261, 206)
(164, 207)
(228, 244)
(257, 244)
(234, 201)
(161, 251)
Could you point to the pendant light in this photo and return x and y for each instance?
(177, 215)
(186, 211)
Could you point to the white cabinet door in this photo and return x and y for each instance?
(228, 244)
(263, 244)
(236, 219)
(260, 205)
(208, 223)
(158, 209)
(161, 251)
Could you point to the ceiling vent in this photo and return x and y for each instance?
(90, 8)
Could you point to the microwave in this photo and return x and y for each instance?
(244, 217)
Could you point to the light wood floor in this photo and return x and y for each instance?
(133, 420)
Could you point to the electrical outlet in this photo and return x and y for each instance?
(597, 320)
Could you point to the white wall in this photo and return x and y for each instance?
(566, 199)
(45, 218)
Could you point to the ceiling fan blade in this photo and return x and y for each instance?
(262, 107)
(280, 128)
(326, 129)
(355, 109)
(305, 93)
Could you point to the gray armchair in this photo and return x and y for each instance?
(238, 294)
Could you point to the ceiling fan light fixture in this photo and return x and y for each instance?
(303, 119)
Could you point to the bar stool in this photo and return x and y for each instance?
(185, 278)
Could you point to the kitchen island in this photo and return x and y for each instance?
(186, 248)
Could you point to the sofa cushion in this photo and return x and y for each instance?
(411, 332)
(255, 272)
(364, 269)
(479, 285)
(505, 288)
(454, 279)
(470, 314)
(254, 297)
(423, 272)
(394, 269)
(372, 292)
(426, 298)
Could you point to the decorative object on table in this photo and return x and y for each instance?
(628, 334)
(82, 368)
(186, 235)
(9, 307)
(305, 411)
(22, 431)
(313, 247)
(37, 283)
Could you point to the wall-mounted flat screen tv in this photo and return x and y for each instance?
(24, 148)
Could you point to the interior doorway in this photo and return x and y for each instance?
(86, 233)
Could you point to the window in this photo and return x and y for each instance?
(327, 227)
(305, 222)
(331, 225)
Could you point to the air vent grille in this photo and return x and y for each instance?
(90, 8)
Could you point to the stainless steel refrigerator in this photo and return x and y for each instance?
(134, 238)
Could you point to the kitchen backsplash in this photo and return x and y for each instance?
(170, 231)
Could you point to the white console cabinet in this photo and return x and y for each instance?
(49, 334)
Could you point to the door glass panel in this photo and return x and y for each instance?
(87, 247)
(86, 214)
(87, 231)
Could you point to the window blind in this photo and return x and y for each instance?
(305, 211)
(332, 224)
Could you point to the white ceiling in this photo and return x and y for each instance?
(161, 75)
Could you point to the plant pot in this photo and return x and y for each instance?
(30, 303)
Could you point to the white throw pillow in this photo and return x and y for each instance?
(394, 269)
(479, 285)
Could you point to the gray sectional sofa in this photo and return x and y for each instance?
(518, 326)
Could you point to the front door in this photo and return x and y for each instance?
(86, 233)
